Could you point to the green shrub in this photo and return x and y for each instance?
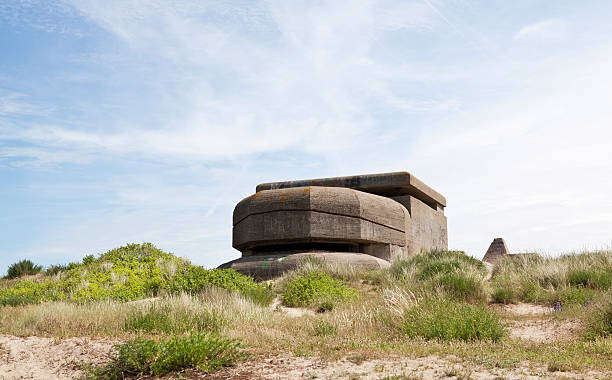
(23, 268)
(144, 357)
(599, 323)
(17, 300)
(316, 289)
(595, 279)
(503, 295)
(164, 319)
(572, 296)
(30, 292)
(450, 320)
(55, 269)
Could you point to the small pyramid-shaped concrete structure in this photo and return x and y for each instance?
(496, 251)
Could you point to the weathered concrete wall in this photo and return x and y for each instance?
(317, 214)
(428, 226)
(266, 266)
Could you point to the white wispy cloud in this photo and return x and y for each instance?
(546, 29)
(16, 104)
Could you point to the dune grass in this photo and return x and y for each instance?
(569, 279)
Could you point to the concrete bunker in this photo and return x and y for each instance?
(362, 220)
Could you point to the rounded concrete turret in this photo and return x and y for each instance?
(317, 216)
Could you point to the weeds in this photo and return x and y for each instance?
(322, 328)
(148, 357)
(449, 320)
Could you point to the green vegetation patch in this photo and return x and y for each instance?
(599, 323)
(449, 320)
(145, 357)
(457, 275)
(23, 268)
(573, 279)
(316, 289)
(594, 279)
(129, 273)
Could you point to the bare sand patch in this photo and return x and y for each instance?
(545, 330)
(47, 358)
(527, 309)
(294, 312)
(430, 367)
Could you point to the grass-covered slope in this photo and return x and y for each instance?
(124, 274)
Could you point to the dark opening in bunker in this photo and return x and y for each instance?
(305, 247)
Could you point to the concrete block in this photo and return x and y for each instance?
(497, 250)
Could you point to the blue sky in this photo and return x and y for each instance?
(131, 121)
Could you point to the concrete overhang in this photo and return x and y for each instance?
(384, 184)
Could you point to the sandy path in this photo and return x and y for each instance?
(537, 324)
(47, 358)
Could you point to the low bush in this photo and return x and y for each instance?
(23, 268)
(168, 320)
(316, 289)
(449, 320)
(55, 269)
(571, 296)
(145, 357)
(599, 323)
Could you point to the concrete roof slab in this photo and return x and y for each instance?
(385, 184)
